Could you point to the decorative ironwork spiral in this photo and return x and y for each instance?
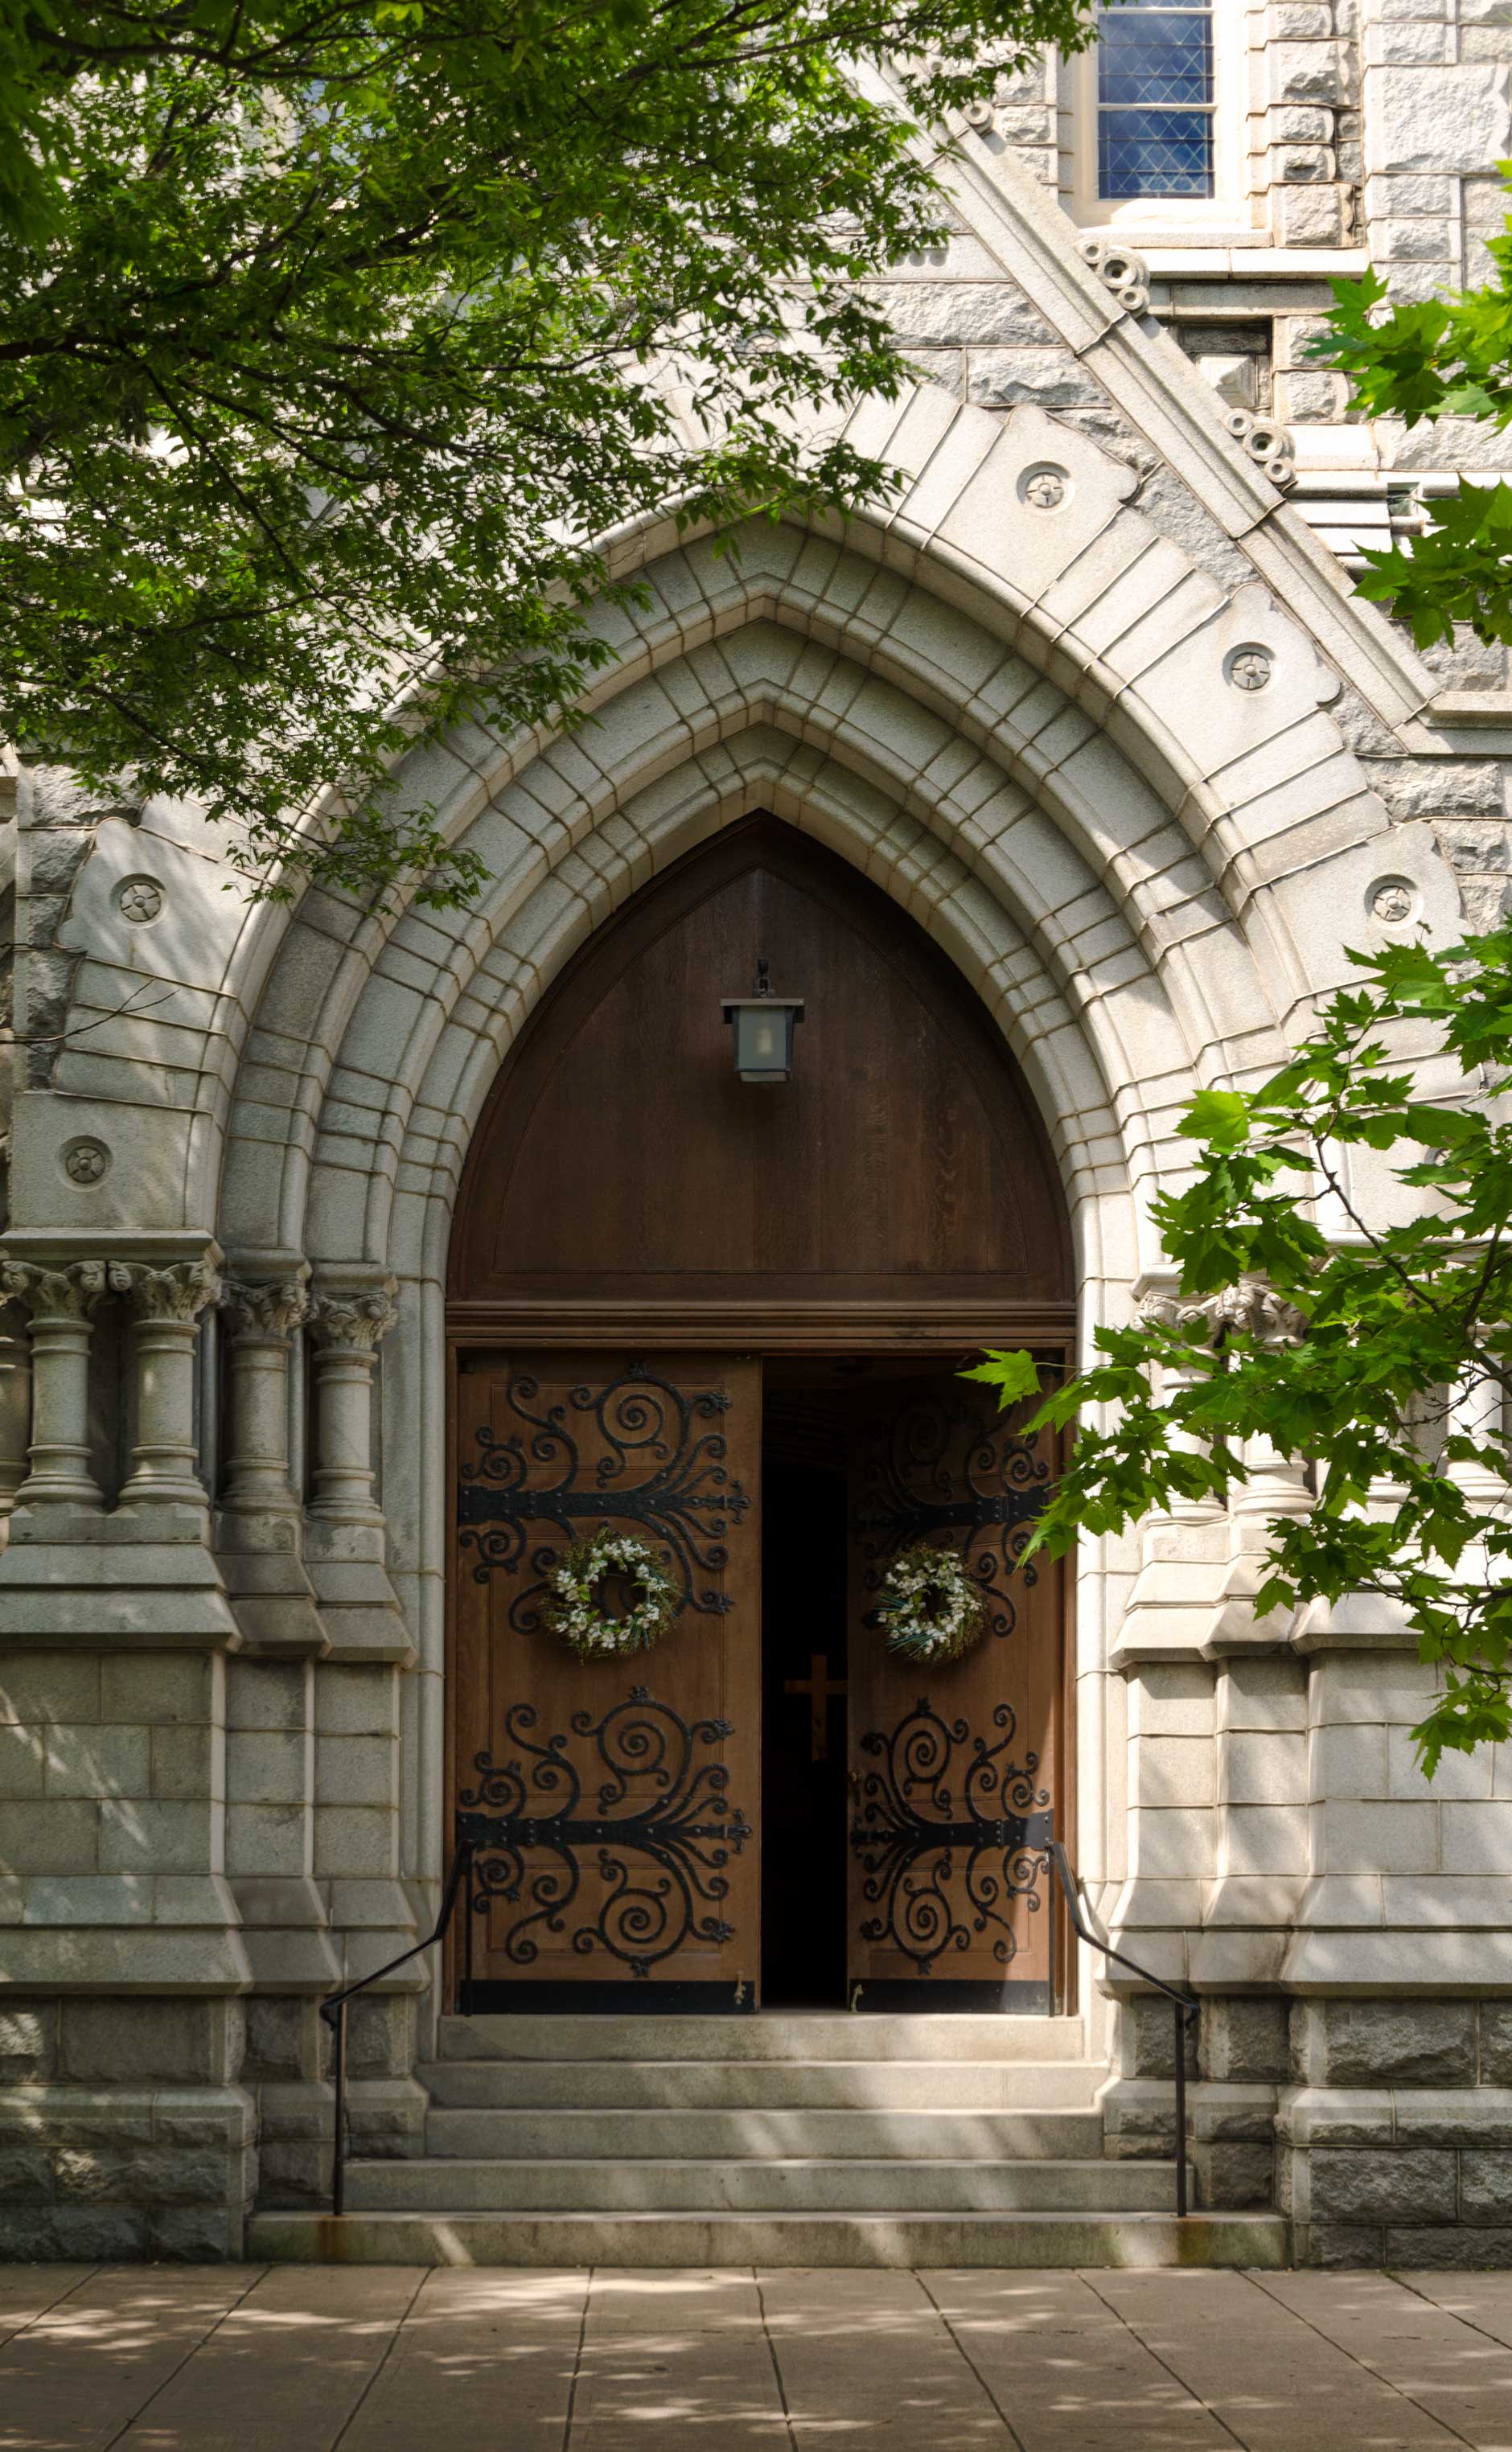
(661, 1464)
(951, 1831)
(662, 1863)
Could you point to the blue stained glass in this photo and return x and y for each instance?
(1164, 55)
(1155, 154)
(1155, 92)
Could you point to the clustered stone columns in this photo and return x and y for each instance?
(60, 1305)
(258, 1525)
(344, 1523)
(166, 1305)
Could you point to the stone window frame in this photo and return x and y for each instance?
(1229, 210)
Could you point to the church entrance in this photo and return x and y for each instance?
(725, 1324)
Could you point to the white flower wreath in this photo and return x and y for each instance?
(932, 1609)
(575, 1612)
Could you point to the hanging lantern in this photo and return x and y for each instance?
(764, 1025)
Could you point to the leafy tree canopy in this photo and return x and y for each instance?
(336, 335)
(1435, 358)
(1392, 1382)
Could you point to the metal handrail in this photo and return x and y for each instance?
(333, 2009)
(1185, 2004)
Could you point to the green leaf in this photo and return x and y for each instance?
(1014, 1375)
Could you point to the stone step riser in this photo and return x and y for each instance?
(1023, 2241)
(806, 2036)
(874, 2136)
(438, 2188)
(766, 2085)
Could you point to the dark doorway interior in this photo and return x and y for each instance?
(803, 1725)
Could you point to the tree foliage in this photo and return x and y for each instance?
(1395, 1389)
(338, 336)
(1437, 358)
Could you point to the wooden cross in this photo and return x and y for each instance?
(819, 1686)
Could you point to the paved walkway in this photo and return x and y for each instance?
(305, 2359)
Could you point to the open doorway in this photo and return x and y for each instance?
(804, 1623)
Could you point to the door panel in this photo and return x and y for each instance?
(615, 1802)
(953, 1770)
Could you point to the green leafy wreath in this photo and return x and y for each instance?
(574, 1609)
(932, 1609)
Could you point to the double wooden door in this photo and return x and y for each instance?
(615, 1808)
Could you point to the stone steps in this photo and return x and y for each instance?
(675, 2084)
(764, 2186)
(787, 2140)
(1031, 2241)
(747, 2135)
(776, 2035)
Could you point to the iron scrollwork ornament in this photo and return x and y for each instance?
(942, 1467)
(685, 1831)
(951, 1831)
(661, 1465)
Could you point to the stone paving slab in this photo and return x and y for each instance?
(406, 2358)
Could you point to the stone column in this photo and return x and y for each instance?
(15, 1403)
(62, 1303)
(166, 1304)
(344, 1524)
(357, 1709)
(258, 1523)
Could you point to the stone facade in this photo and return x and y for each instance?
(1095, 701)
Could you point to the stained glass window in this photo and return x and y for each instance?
(1155, 101)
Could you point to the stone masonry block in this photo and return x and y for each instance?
(355, 1702)
(158, 1686)
(1262, 1693)
(161, 1837)
(1146, 2038)
(116, 2040)
(267, 1694)
(1337, 2247)
(188, 1760)
(56, 1836)
(268, 1765)
(1460, 2250)
(22, 1757)
(354, 1840)
(1235, 2176)
(1351, 2186)
(358, 1770)
(1495, 2043)
(1401, 2043)
(26, 2178)
(268, 1839)
(1173, 1771)
(48, 1686)
(1246, 2041)
(28, 2041)
(280, 2044)
(108, 1761)
(1485, 2187)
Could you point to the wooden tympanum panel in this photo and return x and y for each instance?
(952, 1767)
(615, 1802)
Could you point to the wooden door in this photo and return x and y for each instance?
(613, 1804)
(953, 1770)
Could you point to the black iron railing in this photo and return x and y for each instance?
(1185, 2004)
(334, 2009)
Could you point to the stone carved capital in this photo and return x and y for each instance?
(177, 1292)
(68, 1293)
(358, 1322)
(271, 1310)
(1252, 1307)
